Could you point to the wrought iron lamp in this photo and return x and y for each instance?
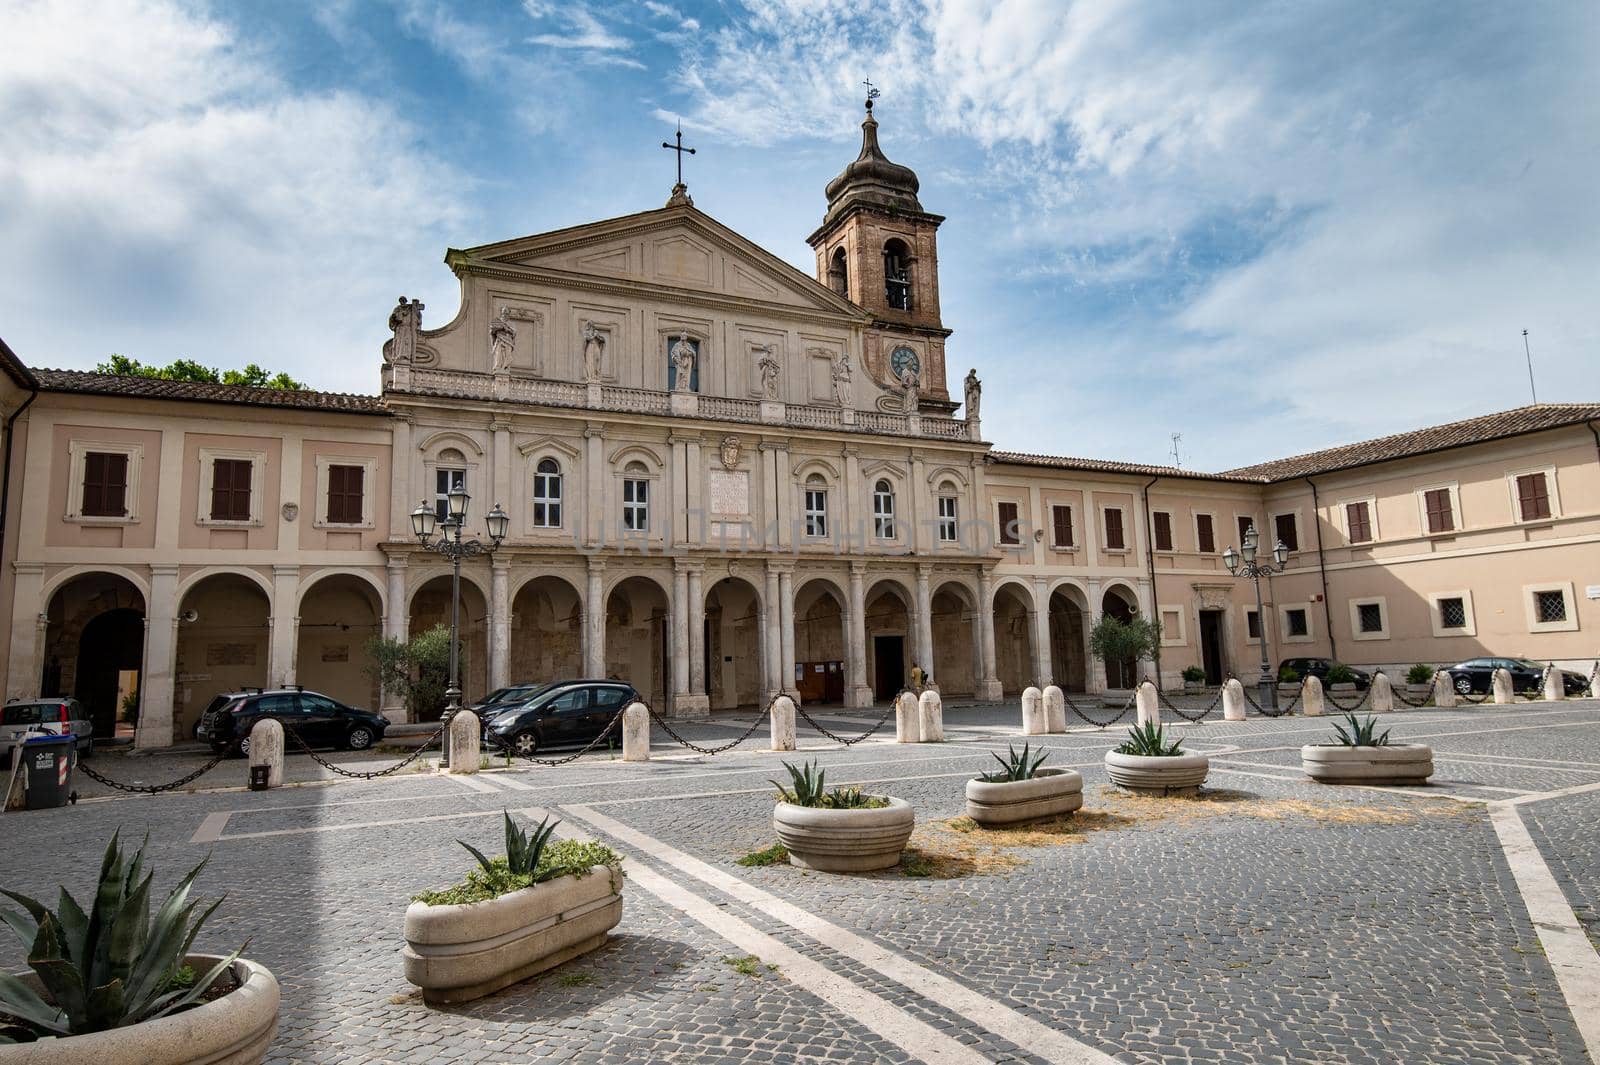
(1242, 563)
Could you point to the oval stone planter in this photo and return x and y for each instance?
(1418, 692)
(235, 1029)
(459, 953)
(1049, 793)
(844, 841)
(1180, 774)
(1398, 763)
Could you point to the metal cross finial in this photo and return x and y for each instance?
(872, 92)
(680, 149)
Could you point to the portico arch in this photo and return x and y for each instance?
(891, 646)
(430, 606)
(1013, 649)
(94, 647)
(1118, 601)
(339, 613)
(957, 652)
(546, 631)
(733, 643)
(224, 633)
(638, 628)
(1069, 635)
(821, 644)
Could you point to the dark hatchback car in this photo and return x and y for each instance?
(1476, 675)
(560, 714)
(501, 698)
(1319, 667)
(317, 719)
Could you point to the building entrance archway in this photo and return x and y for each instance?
(224, 637)
(733, 642)
(820, 643)
(1069, 648)
(94, 649)
(339, 614)
(1120, 672)
(957, 653)
(1013, 650)
(638, 628)
(430, 606)
(546, 632)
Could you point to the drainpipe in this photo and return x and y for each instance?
(5, 476)
(1322, 565)
(1150, 564)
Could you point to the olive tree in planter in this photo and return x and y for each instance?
(1119, 642)
(1362, 755)
(839, 831)
(538, 905)
(1148, 763)
(1194, 677)
(117, 984)
(1022, 791)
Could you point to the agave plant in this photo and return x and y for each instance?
(1360, 733)
(807, 788)
(522, 851)
(1421, 673)
(112, 967)
(1150, 740)
(1016, 766)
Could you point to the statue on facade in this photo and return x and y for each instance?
(406, 323)
(594, 352)
(974, 389)
(841, 379)
(770, 369)
(911, 385)
(502, 341)
(683, 364)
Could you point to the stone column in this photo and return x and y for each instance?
(785, 491)
(698, 700)
(594, 621)
(500, 477)
(27, 607)
(595, 513)
(1096, 679)
(988, 681)
(680, 636)
(772, 635)
(396, 623)
(403, 455)
(694, 507)
(678, 531)
(160, 654)
(925, 618)
(786, 624)
(285, 624)
(499, 622)
(1041, 631)
(858, 694)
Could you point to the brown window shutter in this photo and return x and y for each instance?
(94, 484)
(1534, 496)
(230, 490)
(1359, 520)
(115, 494)
(1063, 525)
(346, 485)
(1287, 532)
(1204, 534)
(1163, 524)
(1440, 519)
(1114, 539)
(1008, 523)
(1245, 523)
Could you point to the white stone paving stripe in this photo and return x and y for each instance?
(1561, 793)
(313, 829)
(210, 829)
(472, 783)
(980, 1009)
(1572, 957)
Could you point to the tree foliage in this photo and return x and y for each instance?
(417, 670)
(188, 370)
(1115, 640)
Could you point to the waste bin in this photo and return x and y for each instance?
(48, 763)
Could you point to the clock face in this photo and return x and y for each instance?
(901, 358)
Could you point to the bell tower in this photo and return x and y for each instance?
(878, 248)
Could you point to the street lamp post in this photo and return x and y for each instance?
(1242, 563)
(452, 546)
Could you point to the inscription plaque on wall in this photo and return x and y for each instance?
(336, 652)
(729, 491)
(230, 654)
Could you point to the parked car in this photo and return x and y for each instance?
(58, 716)
(317, 719)
(1476, 675)
(501, 698)
(1319, 667)
(558, 714)
(217, 702)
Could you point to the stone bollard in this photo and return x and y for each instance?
(1311, 696)
(783, 723)
(1444, 690)
(1232, 700)
(636, 732)
(266, 748)
(1382, 693)
(1503, 691)
(1033, 719)
(1149, 707)
(466, 739)
(1055, 709)
(907, 719)
(931, 710)
(1555, 685)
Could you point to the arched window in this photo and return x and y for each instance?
(547, 495)
(839, 274)
(883, 510)
(816, 506)
(635, 498)
(947, 513)
(450, 472)
(897, 275)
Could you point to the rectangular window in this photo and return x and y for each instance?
(1252, 624)
(1288, 531)
(105, 485)
(346, 486)
(1114, 538)
(1452, 613)
(816, 512)
(1009, 531)
(445, 479)
(1533, 496)
(1441, 516)
(635, 505)
(947, 519)
(1061, 525)
(1163, 530)
(1550, 606)
(230, 489)
(1205, 536)
(1297, 622)
(1370, 616)
(883, 511)
(1358, 519)
(1246, 523)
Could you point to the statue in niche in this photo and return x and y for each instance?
(406, 323)
(841, 380)
(682, 355)
(911, 386)
(974, 389)
(502, 341)
(594, 352)
(770, 369)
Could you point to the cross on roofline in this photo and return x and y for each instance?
(680, 149)
(872, 92)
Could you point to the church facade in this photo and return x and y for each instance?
(726, 478)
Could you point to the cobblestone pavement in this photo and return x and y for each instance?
(1270, 920)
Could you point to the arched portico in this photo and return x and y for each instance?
(94, 648)
(224, 641)
(1118, 601)
(546, 639)
(430, 606)
(956, 640)
(890, 637)
(1013, 636)
(733, 643)
(339, 614)
(1069, 635)
(638, 616)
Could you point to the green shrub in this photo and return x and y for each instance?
(416, 670)
(112, 967)
(522, 852)
(1194, 675)
(1117, 641)
(1360, 733)
(1419, 674)
(494, 877)
(1150, 740)
(1016, 766)
(808, 789)
(1340, 674)
(1288, 675)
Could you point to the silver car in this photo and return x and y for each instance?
(58, 716)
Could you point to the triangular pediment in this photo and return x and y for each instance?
(676, 247)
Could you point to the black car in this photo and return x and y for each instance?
(501, 698)
(563, 713)
(1319, 667)
(1476, 675)
(317, 719)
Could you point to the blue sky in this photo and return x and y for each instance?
(1269, 228)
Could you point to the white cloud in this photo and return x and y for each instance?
(581, 31)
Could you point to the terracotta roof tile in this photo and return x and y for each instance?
(100, 384)
(1056, 462)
